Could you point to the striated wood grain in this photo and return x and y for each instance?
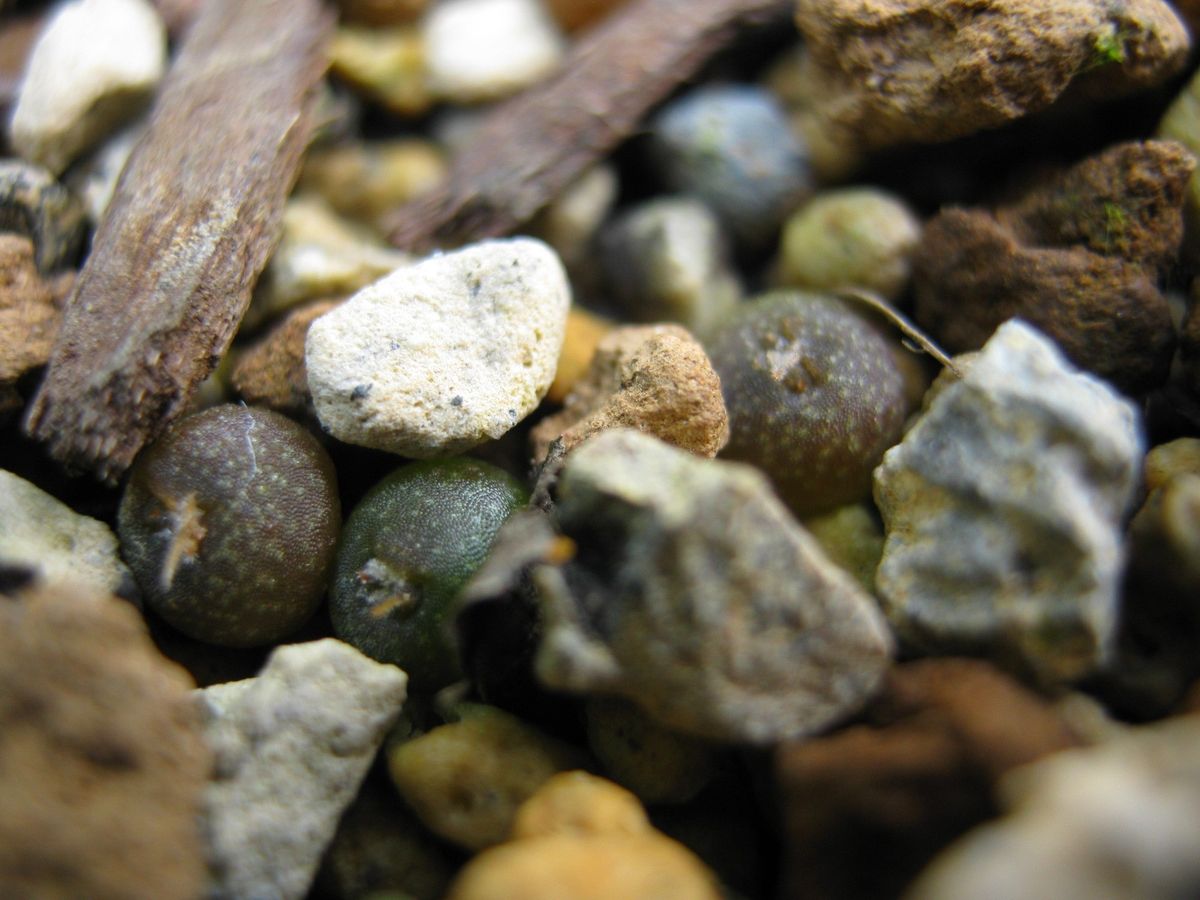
(534, 145)
(196, 214)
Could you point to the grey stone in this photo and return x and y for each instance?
(61, 547)
(440, 356)
(733, 147)
(698, 596)
(94, 66)
(34, 204)
(666, 261)
(1106, 823)
(292, 746)
(1003, 509)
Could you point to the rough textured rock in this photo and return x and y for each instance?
(292, 746)
(34, 204)
(271, 371)
(667, 260)
(732, 146)
(582, 837)
(879, 73)
(917, 772)
(696, 595)
(465, 780)
(1079, 258)
(319, 255)
(42, 535)
(654, 378)
(1113, 821)
(1003, 508)
(96, 63)
(486, 49)
(102, 760)
(30, 314)
(443, 355)
(853, 237)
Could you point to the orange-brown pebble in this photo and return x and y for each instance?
(584, 331)
(271, 371)
(656, 378)
(585, 838)
(30, 313)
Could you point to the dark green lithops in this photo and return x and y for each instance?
(814, 396)
(409, 546)
(229, 523)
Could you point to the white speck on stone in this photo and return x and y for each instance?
(292, 746)
(1106, 823)
(484, 324)
(1003, 509)
(94, 65)
(479, 50)
(47, 537)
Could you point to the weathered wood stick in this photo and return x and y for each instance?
(533, 146)
(195, 215)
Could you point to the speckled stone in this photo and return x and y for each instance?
(292, 746)
(1003, 508)
(1104, 823)
(699, 598)
(96, 64)
(443, 355)
(666, 260)
(733, 147)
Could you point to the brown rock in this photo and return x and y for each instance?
(1126, 202)
(30, 313)
(884, 72)
(654, 378)
(102, 762)
(1107, 315)
(271, 371)
(1189, 345)
(919, 771)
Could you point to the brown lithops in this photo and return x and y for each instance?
(814, 396)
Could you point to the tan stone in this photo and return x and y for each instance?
(584, 332)
(654, 378)
(878, 73)
(271, 371)
(30, 313)
(386, 65)
(1177, 457)
(102, 763)
(581, 804)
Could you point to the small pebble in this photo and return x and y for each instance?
(95, 66)
(570, 221)
(60, 547)
(583, 334)
(814, 396)
(94, 179)
(443, 355)
(917, 772)
(655, 378)
(732, 146)
(951, 72)
(1105, 823)
(104, 761)
(292, 746)
(852, 537)
(710, 607)
(666, 260)
(1178, 457)
(584, 838)
(466, 780)
(33, 204)
(1003, 508)
(480, 50)
(386, 65)
(854, 237)
(319, 255)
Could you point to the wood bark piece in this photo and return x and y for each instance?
(533, 146)
(194, 218)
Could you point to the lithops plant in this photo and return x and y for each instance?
(814, 396)
(229, 523)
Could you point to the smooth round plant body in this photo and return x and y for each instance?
(230, 524)
(408, 548)
(814, 396)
